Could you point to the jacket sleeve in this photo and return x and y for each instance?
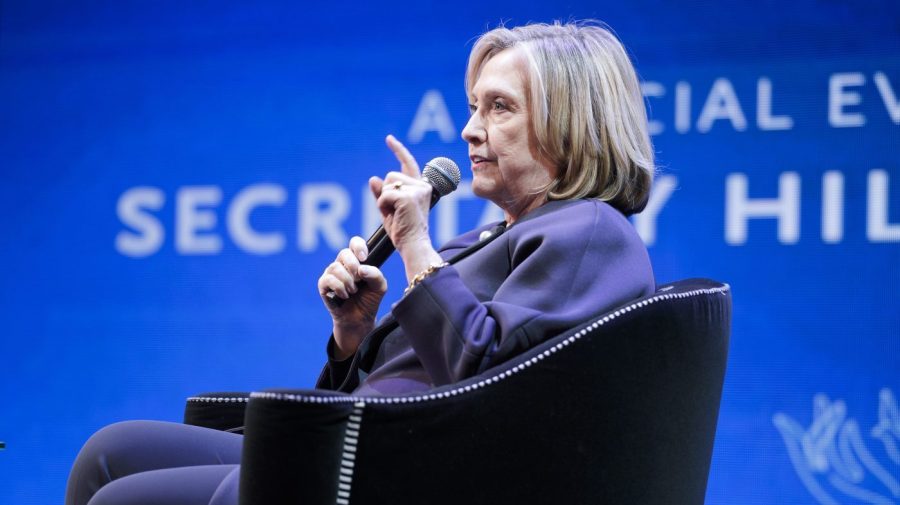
(560, 276)
(334, 373)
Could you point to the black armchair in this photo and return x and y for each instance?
(621, 410)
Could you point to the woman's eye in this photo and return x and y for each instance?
(472, 108)
(498, 105)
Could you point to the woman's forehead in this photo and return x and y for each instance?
(504, 73)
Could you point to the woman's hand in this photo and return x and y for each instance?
(404, 200)
(361, 287)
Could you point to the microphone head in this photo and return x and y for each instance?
(443, 175)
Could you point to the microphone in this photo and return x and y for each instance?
(443, 175)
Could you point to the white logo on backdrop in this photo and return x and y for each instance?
(832, 456)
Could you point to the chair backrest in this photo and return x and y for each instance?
(620, 410)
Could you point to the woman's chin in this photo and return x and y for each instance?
(480, 189)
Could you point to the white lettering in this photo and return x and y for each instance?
(432, 115)
(832, 207)
(323, 207)
(722, 103)
(682, 107)
(651, 89)
(739, 208)
(764, 118)
(838, 98)
(371, 219)
(645, 222)
(239, 211)
(130, 209)
(190, 219)
(888, 97)
(491, 214)
(447, 213)
(878, 229)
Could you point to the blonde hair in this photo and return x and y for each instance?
(586, 108)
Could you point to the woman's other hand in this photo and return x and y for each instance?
(360, 287)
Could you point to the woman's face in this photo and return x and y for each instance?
(506, 168)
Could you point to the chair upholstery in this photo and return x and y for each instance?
(621, 410)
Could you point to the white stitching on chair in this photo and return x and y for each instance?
(348, 453)
(219, 399)
(422, 397)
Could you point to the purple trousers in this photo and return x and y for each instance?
(156, 463)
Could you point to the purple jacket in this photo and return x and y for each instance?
(551, 270)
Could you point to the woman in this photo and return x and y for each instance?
(543, 150)
(558, 140)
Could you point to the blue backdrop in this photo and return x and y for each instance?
(176, 175)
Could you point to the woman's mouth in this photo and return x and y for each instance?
(479, 162)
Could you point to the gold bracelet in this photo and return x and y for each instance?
(419, 277)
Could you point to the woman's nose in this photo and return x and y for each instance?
(474, 132)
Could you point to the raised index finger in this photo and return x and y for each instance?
(408, 164)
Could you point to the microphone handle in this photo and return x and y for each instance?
(380, 248)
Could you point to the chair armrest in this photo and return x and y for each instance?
(296, 444)
(219, 411)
